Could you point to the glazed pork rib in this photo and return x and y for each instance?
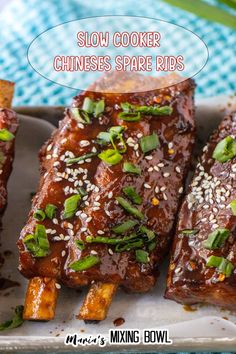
(202, 267)
(8, 129)
(112, 177)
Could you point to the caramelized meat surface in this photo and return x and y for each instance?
(203, 261)
(8, 128)
(159, 182)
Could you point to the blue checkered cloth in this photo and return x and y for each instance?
(22, 20)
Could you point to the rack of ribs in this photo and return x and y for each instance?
(112, 177)
(202, 267)
(8, 129)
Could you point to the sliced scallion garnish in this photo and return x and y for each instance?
(129, 167)
(216, 239)
(233, 207)
(222, 264)
(38, 243)
(81, 158)
(129, 208)
(89, 108)
(125, 226)
(149, 233)
(149, 143)
(131, 193)
(71, 206)
(88, 105)
(142, 256)
(6, 135)
(136, 243)
(50, 210)
(133, 113)
(16, 321)
(225, 150)
(189, 231)
(84, 263)
(80, 244)
(39, 214)
(110, 240)
(110, 156)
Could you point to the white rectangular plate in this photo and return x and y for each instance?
(203, 329)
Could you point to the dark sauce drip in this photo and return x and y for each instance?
(119, 322)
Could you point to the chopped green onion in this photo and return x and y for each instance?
(129, 208)
(89, 108)
(16, 321)
(149, 143)
(88, 105)
(99, 108)
(126, 226)
(131, 168)
(189, 232)
(131, 193)
(82, 191)
(222, 264)
(225, 150)
(149, 233)
(129, 116)
(5, 135)
(233, 206)
(85, 263)
(141, 256)
(80, 244)
(80, 115)
(50, 211)
(71, 206)
(110, 240)
(105, 137)
(216, 239)
(38, 243)
(133, 113)
(81, 158)
(39, 215)
(110, 156)
(129, 246)
(152, 245)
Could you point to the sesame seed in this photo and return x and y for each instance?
(160, 165)
(67, 238)
(147, 186)
(181, 190)
(156, 168)
(80, 125)
(163, 189)
(58, 286)
(89, 219)
(48, 157)
(139, 135)
(110, 251)
(110, 195)
(100, 232)
(83, 216)
(55, 221)
(97, 203)
(94, 252)
(157, 189)
(97, 198)
(63, 253)
(49, 147)
(149, 157)
(170, 145)
(177, 169)
(164, 196)
(150, 169)
(84, 143)
(83, 229)
(166, 174)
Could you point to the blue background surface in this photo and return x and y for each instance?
(22, 20)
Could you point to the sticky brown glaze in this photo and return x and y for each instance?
(9, 121)
(163, 174)
(206, 208)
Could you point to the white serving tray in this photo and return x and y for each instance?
(204, 329)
